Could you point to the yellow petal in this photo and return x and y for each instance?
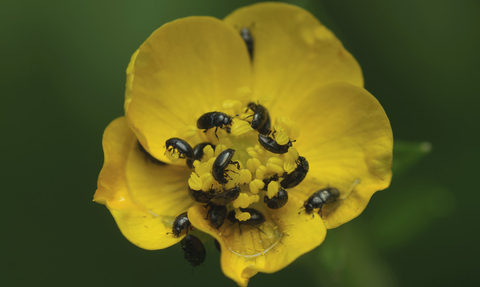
(184, 69)
(129, 82)
(346, 136)
(143, 195)
(286, 236)
(293, 53)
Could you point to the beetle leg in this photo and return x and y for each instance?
(259, 229)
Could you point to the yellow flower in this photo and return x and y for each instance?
(325, 124)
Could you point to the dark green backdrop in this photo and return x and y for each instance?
(62, 81)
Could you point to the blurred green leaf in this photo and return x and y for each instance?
(406, 213)
(407, 154)
(349, 258)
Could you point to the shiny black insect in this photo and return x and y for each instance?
(197, 153)
(221, 163)
(321, 197)
(194, 250)
(181, 146)
(214, 120)
(226, 197)
(260, 118)
(272, 146)
(265, 129)
(199, 195)
(279, 200)
(297, 175)
(248, 39)
(181, 223)
(256, 217)
(217, 215)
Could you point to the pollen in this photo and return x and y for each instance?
(173, 155)
(209, 152)
(219, 149)
(194, 181)
(245, 176)
(289, 127)
(240, 127)
(260, 172)
(281, 136)
(272, 189)
(275, 165)
(245, 199)
(207, 181)
(242, 216)
(255, 185)
(204, 167)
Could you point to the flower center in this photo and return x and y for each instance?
(242, 165)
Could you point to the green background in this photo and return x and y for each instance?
(62, 82)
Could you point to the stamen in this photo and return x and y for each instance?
(242, 216)
(252, 153)
(260, 172)
(207, 180)
(245, 199)
(288, 126)
(260, 151)
(291, 156)
(281, 136)
(208, 151)
(205, 166)
(194, 181)
(272, 189)
(275, 165)
(245, 176)
(255, 185)
(219, 149)
(172, 156)
(240, 127)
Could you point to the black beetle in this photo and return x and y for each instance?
(226, 197)
(272, 146)
(181, 223)
(217, 215)
(199, 195)
(214, 120)
(221, 163)
(181, 146)
(297, 175)
(194, 250)
(256, 217)
(321, 197)
(248, 39)
(265, 129)
(260, 116)
(278, 201)
(197, 153)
